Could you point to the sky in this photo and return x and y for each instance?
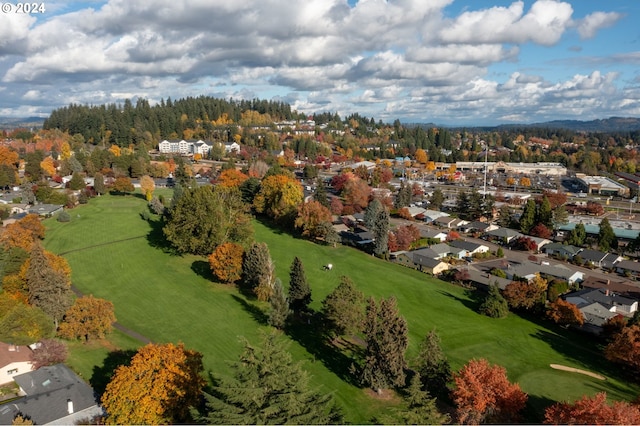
(449, 62)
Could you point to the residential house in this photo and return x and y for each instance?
(14, 360)
(469, 247)
(528, 270)
(623, 287)
(231, 147)
(595, 316)
(504, 235)
(432, 215)
(483, 280)
(52, 395)
(433, 234)
(442, 250)
(429, 265)
(46, 210)
(480, 227)
(599, 258)
(559, 249)
(628, 268)
(416, 211)
(540, 242)
(607, 298)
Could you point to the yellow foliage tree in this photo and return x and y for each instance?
(525, 181)
(421, 156)
(115, 150)
(158, 387)
(147, 185)
(279, 196)
(48, 166)
(65, 151)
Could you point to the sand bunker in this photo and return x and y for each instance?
(577, 370)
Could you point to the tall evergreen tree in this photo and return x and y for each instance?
(437, 199)
(343, 309)
(371, 213)
(320, 194)
(462, 203)
(578, 235)
(279, 311)
(528, 218)
(386, 335)
(545, 213)
(421, 407)
(560, 216)
(76, 182)
(268, 388)
(50, 290)
(606, 237)
(494, 305)
(476, 206)
(258, 271)
(432, 364)
(299, 290)
(381, 232)
(505, 216)
(404, 196)
(98, 184)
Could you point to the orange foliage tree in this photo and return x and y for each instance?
(593, 411)
(226, 262)
(8, 156)
(625, 348)
(525, 295)
(310, 216)
(88, 318)
(123, 185)
(483, 394)
(158, 387)
(231, 178)
(22, 233)
(565, 313)
(356, 193)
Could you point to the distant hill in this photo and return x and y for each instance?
(612, 124)
(18, 122)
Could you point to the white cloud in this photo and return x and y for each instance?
(591, 24)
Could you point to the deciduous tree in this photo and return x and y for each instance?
(205, 217)
(483, 394)
(232, 178)
(299, 290)
(526, 295)
(226, 262)
(310, 216)
(356, 193)
(278, 197)
(147, 185)
(89, 318)
(122, 185)
(565, 313)
(158, 387)
(268, 388)
(386, 335)
(48, 166)
(24, 325)
(48, 352)
(625, 348)
(77, 182)
(22, 233)
(592, 411)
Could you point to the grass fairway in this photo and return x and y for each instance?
(171, 298)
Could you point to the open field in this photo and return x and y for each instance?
(114, 254)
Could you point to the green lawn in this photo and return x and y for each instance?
(113, 255)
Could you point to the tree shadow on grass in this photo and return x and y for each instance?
(202, 269)
(103, 374)
(475, 298)
(533, 412)
(255, 312)
(307, 331)
(156, 237)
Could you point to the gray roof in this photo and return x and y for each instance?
(593, 255)
(431, 233)
(567, 248)
(504, 233)
(602, 296)
(466, 245)
(429, 262)
(596, 314)
(48, 392)
(487, 279)
(425, 252)
(629, 265)
(441, 248)
(557, 271)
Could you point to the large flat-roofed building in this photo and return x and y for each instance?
(601, 185)
(547, 169)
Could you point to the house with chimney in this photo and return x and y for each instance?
(52, 395)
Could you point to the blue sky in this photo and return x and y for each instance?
(473, 62)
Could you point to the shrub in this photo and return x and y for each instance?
(64, 216)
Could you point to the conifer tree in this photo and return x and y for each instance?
(494, 305)
(258, 271)
(50, 290)
(279, 311)
(432, 364)
(528, 218)
(606, 236)
(98, 184)
(421, 407)
(371, 213)
(577, 235)
(299, 290)
(381, 232)
(268, 388)
(386, 335)
(320, 194)
(76, 182)
(343, 309)
(545, 213)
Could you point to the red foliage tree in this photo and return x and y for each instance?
(540, 231)
(406, 235)
(356, 193)
(594, 208)
(48, 352)
(338, 181)
(336, 206)
(483, 394)
(392, 242)
(593, 411)
(555, 198)
(453, 235)
(524, 295)
(525, 244)
(405, 214)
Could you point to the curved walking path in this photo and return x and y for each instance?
(577, 370)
